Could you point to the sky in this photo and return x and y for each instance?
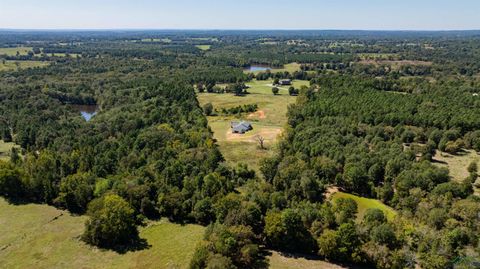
(241, 14)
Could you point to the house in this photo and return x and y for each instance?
(285, 82)
(241, 127)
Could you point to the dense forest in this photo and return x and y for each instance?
(380, 107)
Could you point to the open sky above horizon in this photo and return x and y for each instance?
(245, 14)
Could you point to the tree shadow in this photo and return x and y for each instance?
(438, 161)
(17, 201)
(138, 244)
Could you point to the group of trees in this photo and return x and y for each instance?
(149, 153)
(354, 136)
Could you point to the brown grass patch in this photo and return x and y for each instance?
(259, 114)
(268, 133)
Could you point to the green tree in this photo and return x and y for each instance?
(208, 109)
(275, 90)
(111, 223)
(75, 192)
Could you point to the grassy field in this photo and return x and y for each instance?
(14, 65)
(45, 237)
(5, 149)
(457, 164)
(267, 122)
(203, 47)
(13, 51)
(278, 261)
(366, 203)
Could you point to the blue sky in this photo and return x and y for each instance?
(241, 14)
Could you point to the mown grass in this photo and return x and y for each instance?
(203, 47)
(366, 203)
(40, 236)
(13, 51)
(15, 65)
(244, 148)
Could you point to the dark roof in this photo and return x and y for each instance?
(241, 127)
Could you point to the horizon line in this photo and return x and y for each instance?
(236, 29)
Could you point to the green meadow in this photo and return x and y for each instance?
(41, 236)
(366, 203)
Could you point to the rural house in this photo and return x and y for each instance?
(241, 127)
(285, 82)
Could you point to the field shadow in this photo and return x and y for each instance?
(138, 244)
(440, 162)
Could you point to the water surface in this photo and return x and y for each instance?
(258, 68)
(87, 111)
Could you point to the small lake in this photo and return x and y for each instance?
(87, 111)
(258, 68)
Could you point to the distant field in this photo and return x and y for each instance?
(13, 51)
(267, 122)
(40, 236)
(14, 65)
(366, 203)
(457, 164)
(71, 55)
(203, 47)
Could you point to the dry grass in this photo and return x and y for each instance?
(280, 261)
(457, 164)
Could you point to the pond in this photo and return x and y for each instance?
(87, 111)
(258, 68)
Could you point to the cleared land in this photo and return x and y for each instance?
(14, 65)
(366, 203)
(457, 164)
(280, 261)
(267, 122)
(203, 47)
(13, 51)
(45, 237)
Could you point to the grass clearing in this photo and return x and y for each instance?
(6, 149)
(457, 164)
(366, 203)
(45, 237)
(13, 51)
(279, 261)
(15, 65)
(267, 122)
(203, 47)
